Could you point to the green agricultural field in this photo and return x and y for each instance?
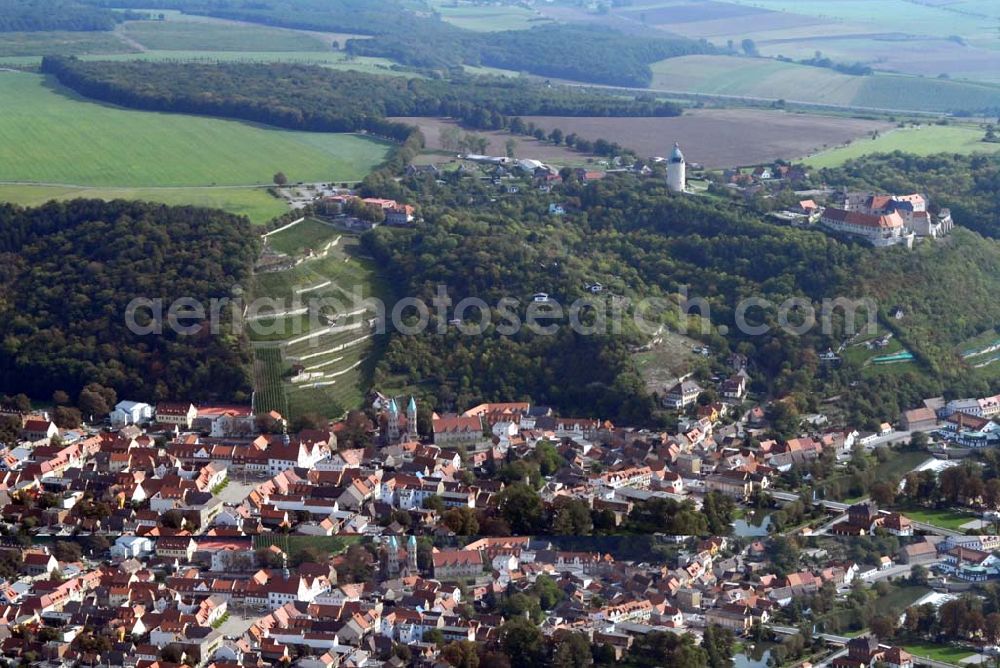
(61, 43)
(886, 91)
(773, 80)
(755, 77)
(488, 18)
(922, 140)
(255, 203)
(48, 136)
(205, 36)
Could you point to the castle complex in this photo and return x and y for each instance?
(886, 220)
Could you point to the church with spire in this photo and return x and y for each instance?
(395, 425)
(397, 562)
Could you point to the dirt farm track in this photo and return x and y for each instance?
(722, 137)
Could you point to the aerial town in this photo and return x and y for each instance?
(178, 534)
(499, 334)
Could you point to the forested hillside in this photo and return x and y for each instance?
(421, 39)
(641, 242)
(68, 271)
(305, 97)
(35, 15)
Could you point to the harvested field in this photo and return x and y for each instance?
(527, 147)
(722, 137)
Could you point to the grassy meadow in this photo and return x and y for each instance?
(922, 140)
(49, 136)
(62, 43)
(206, 36)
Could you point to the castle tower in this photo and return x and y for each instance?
(392, 558)
(411, 420)
(411, 555)
(676, 168)
(392, 424)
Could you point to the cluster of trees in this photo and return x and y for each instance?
(682, 518)
(523, 644)
(68, 272)
(585, 53)
(603, 147)
(856, 69)
(453, 139)
(39, 15)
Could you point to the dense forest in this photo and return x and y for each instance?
(68, 271)
(305, 97)
(637, 240)
(421, 39)
(37, 15)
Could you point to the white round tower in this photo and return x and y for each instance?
(676, 177)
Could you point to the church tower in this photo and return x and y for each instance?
(411, 420)
(411, 555)
(392, 424)
(392, 558)
(676, 168)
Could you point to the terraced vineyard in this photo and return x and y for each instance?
(313, 336)
(269, 395)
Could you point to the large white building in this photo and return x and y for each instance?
(911, 209)
(878, 230)
(676, 168)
